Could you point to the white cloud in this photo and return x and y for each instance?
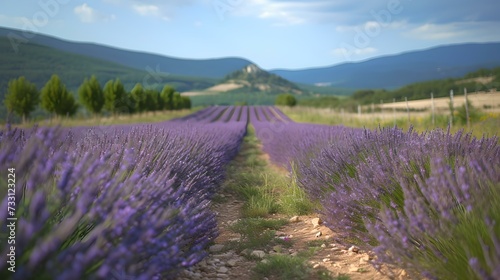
(282, 13)
(372, 25)
(85, 13)
(430, 31)
(88, 14)
(285, 18)
(149, 10)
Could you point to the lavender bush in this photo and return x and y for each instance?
(424, 202)
(118, 202)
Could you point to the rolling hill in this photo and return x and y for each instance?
(210, 68)
(253, 79)
(37, 63)
(394, 71)
(389, 72)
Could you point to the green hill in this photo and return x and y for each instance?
(37, 63)
(481, 80)
(253, 79)
(214, 68)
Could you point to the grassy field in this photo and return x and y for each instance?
(486, 123)
(486, 101)
(149, 117)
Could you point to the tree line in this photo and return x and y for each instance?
(23, 97)
(413, 91)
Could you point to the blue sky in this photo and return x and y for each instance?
(292, 34)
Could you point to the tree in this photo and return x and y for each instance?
(177, 100)
(167, 94)
(138, 95)
(186, 102)
(22, 97)
(151, 100)
(115, 97)
(91, 95)
(286, 100)
(56, 98)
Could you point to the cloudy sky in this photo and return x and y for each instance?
(274, 34)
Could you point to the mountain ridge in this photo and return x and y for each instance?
(206, 68)
(427, 64)
(390, 71)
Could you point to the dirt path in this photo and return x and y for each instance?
(300, 235)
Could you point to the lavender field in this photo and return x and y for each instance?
(133, 201)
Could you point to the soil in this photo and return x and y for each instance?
(337, 259)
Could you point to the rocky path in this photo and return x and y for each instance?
(304, 232)
(299, 235)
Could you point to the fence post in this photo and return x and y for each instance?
(382, 109)
(394, 110)
(407, 110)
(451, 108)
(432, 108)
(467, 109)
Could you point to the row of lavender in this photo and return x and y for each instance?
(426, 202)
(121, 202)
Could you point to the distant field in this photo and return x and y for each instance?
(487, 101)
(149, 117)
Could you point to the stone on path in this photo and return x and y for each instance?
(294, 219)
(316, 222)
(216, 248)
(258, 254)
(353, 249)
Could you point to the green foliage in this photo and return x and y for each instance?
(320, 102)
(289, 267)
(240, 103)
(264, 190)
(474, 113)
(115, 97)
(259, 76)
(257, 232)
(151, 100)
(286, 100)
(37, 63)
(484, 72)
(57, 99)
(91, 95)
(22, 97)
(138, 95)
(177, 101)
(186, 102)
(257, 98)
(167, 95)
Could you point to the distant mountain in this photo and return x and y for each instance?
(210, 68)
(394, 71)
(388, 72)
(37, 63)
(253, 79)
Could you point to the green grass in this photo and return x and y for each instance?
(258, 233)
(265, 190)
(291, 267)
(487, 124)
(149, 117)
